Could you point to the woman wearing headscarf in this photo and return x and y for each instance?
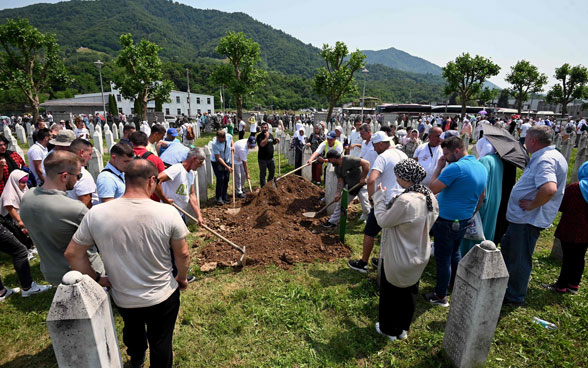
(572, 233)
(298, 144)
(405, 247)
(490, 206)
(15, 188)
(316, 138)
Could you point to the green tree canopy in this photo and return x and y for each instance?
(240, 76)
(140, 76)
(466, 75)
(29, 60)
(112, 105)
(336, 79)
(487, 94)
(572, 85)
(525, 78)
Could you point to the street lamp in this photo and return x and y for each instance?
(365, 71)
(99, 66)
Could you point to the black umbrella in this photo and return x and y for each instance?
(507, 147)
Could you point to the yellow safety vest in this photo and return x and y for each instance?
(327, 148)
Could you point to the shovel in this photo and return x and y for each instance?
(291, 172)
(233, 211)
(242, 260)
(313, 214)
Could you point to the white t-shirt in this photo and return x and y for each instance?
(365, 147)
(428, 159)
(85, 185)
(37, 152)
(82, 133)
(355, 138)
(253, 127)
(524, 128)
(241, 151)
(134, 237)
(385, 165)
(242, 126)
(178, 187)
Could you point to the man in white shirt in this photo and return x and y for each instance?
(177, 183)
(355, 140)
(184, 133)
(85, 188)
(80, 130)
(523, 131)
(242, 127)
(382, 173)
(241, 173)
(37, 154)
(427, 154)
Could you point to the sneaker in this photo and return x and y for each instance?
(240, 195)
(33, 251)
(358, 265)
(191, 278)
(328, 225)
(30, 255)
(573, 289)
(227, 201)
(553, 287)
(402, 336)
(220, 203)
(8, 293)
(435, 299)
(375, 262)
(35, 289)
(137, 362)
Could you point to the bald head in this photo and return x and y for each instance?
(435, 136)
(138, 172)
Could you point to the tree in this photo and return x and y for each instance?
(466, 75)
(112, 106)
(141, 76)
(30, 61)
(240, 76)
(572, 86)
(503, 98)
(337, 78)
(525, 78)
(487, 94)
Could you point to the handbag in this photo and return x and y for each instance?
(476, 230)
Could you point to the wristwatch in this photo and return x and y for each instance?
(98, 276)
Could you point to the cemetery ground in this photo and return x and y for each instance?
(319, 314)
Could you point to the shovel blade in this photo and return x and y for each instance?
(309, 214)
(233, 211)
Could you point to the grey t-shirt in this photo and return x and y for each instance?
(349, 170)
(51, 219)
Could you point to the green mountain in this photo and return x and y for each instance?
(88, 30)
(398, 59)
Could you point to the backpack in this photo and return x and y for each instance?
(143, 156)
(190, 133)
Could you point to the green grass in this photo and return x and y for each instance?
(317, 315)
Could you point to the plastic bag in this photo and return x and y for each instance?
(476, 230)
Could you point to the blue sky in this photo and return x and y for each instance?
(547, 33)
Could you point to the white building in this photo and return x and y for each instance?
(90, 103)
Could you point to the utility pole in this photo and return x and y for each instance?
(99, 66)
(189, 99)
(365, 71)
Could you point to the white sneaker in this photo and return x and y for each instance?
(30, 255)
(402, 336)
(9, 292)
(33, 251)
(35, 289)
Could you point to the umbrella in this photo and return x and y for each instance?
(483, 112)
(506, 146)
(516, 116)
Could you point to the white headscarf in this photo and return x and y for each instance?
(12, 195)
(297, 134)
(484, 147)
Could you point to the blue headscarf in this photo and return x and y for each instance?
(583, 180)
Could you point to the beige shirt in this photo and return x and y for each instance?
(134, 237)
(405, 244)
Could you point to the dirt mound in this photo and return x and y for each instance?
(271, 227)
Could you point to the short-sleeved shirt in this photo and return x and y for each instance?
(349, 170)
(355, 138)
(223, 149)
(82, 133)
(321, 148)
(365, 147)
(385, 165)
(175, 153)
(266, 152)
(241, 151)
(524, 129)
(36, 153)
(84, 186)
(428, 157)
(546, 165)
(51, 219)
(134, 237)
(465, 181)
(110, 184)
(140, 151)
(178, 187)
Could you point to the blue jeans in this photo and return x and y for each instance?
(447, 255)
(222, 180)
(517, 246)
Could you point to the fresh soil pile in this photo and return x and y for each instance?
(271, 227)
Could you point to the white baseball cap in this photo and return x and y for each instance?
(380, 137)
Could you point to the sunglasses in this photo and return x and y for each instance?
(156, 179)
(78, 176)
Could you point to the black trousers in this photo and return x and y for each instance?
(241, 134)
(572, 265)
(298, 161)
(153, 325)
(10, 245)
(396, 307)
(264, 165)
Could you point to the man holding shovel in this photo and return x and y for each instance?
(351, 172)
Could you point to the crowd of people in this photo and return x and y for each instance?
(412, 184)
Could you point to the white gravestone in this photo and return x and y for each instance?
(7, 131)
(81, 324)
(201, 184)
(91, 129)
(98, 141)
(21, 134)
(115, 133)
(120, 128)
(330, 187)
(207, 162)
(476, 301)
(306, 171)
(109, 139)
(30, 141)
(95, 165)
(13, 146)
